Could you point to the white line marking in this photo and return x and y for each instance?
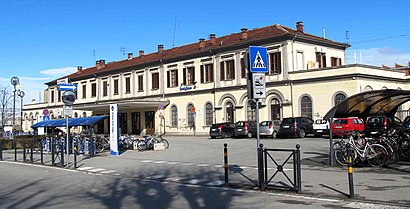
(174, 179)
(202, 165)
(84, 168)
(96, 170)
(196, 181)
(158, 162)
(362, 205)
(156, 177)
(108, 172)
(215, 183)
(172, 163)
(146, 161)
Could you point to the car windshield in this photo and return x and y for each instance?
(376, 120)
(340, 121)
(288, 120)
(216, 125)
(265, 123)
(319, 121)
(239, 124)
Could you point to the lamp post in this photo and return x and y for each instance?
(21, 94)
(14, 81)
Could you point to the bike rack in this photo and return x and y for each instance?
(295, 184)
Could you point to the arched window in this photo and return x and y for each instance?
(208, 114)
(84, 114)
(339, 98)
(191, 118)
(230, 112)
(306, 107)
(174, 116)
(368, 88)
(275, 109)
(75, 115)
(250, 113)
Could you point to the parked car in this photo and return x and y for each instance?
(222, 130)
(245, 128)
(296, 126)
(406, 124)
(376, 125)
(269, 128)
(342, 127)
(321, 127)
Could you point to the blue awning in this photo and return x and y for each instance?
(87, 121)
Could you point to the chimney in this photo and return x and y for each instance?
(407, 71)
(141, 53)
(212, 38)
(244, 33)
(201, 43)
(79, 69)
(100, 64)
(160, 48)
(299, 26)
(130, 55)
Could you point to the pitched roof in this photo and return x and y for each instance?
(253, 35)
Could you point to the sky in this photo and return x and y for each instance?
(41, 40)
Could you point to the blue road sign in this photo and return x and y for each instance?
(46, 117)
(258, 59)
(67, 87)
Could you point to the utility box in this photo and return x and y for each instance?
(159, 146)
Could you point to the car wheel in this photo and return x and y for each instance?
(224, 135)
(249, 135)
(274, 135)
(302, 133)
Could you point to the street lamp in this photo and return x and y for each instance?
(21, 95)
(14, 81)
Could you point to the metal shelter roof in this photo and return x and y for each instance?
(87, 121)
(385, 101)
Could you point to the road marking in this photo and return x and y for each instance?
(174, 179)
(156, 177)
(96, 170)
(108, 172)
(84, 168)
(195, 181)
(215, 183)
(160, 162)
(146, 161)
(172, 163)
(203, 165)
(363, 205)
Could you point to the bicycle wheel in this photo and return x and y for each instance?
(141, 145)
(341, 153)
(166, 143)
(376, 155)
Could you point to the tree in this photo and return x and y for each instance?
(5, 101)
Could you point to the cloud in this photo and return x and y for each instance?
(58, 72)
(378, 56)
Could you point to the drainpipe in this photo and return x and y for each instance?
(213, 89)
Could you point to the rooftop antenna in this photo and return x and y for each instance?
(175, 26)
(123, 50)
(323, 32)
(93, 53)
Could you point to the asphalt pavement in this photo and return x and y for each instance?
(199, 161)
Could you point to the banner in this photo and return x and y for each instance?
(114, 129)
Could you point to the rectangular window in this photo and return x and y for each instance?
(335, 61)
(300, 61)
(93, 90)
(227, 70)
(140, 83)
(172, 78)
(52, 96)
(127, 85)
(207, 73)
(116, 87)
(188, 75)
(84, 91)
(275, 63)
(243, 68)
(105, 88)
(155, 81)
(58, 96)
(321, 59)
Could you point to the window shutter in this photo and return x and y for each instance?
(168, 78)
(193, 75)
(202, 73)
(233, 69)
(184, 76)
(211, 73)
(222, 71)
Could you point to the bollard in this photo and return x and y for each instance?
(75, 156)
(1, 150)
(226, 164)
(298, 169)
(31, 151)
(61, 145)
(41, 153)
(53, 143)
(350, 171)
(260, 168)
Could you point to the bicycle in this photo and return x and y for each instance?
(374, 154)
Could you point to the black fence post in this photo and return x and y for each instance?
(226, 168)
(24, 151)
(75, 155)
(260, 168)
(350, 171)
(41, 152)
(31, 151)
(298, 169)
(15, 149)
(53, 144)
(62, 153)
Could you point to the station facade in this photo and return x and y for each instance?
(183, 90)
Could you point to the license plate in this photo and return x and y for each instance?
(285, 126)
(338, 126)
(373, 132)
(319, 131)
(214, 129)
(239, 129)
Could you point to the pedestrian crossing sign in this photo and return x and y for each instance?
(258, 59)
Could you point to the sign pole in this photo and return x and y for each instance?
(68, 142)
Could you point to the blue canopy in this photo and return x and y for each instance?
(87, 121)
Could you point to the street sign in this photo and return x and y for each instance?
(67, 87)
(46, 112)
(258, 59)
(62, 81)
(68, 110)
(259, 87)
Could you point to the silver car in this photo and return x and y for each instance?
(269, 128)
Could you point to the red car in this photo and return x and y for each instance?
(343, 126)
